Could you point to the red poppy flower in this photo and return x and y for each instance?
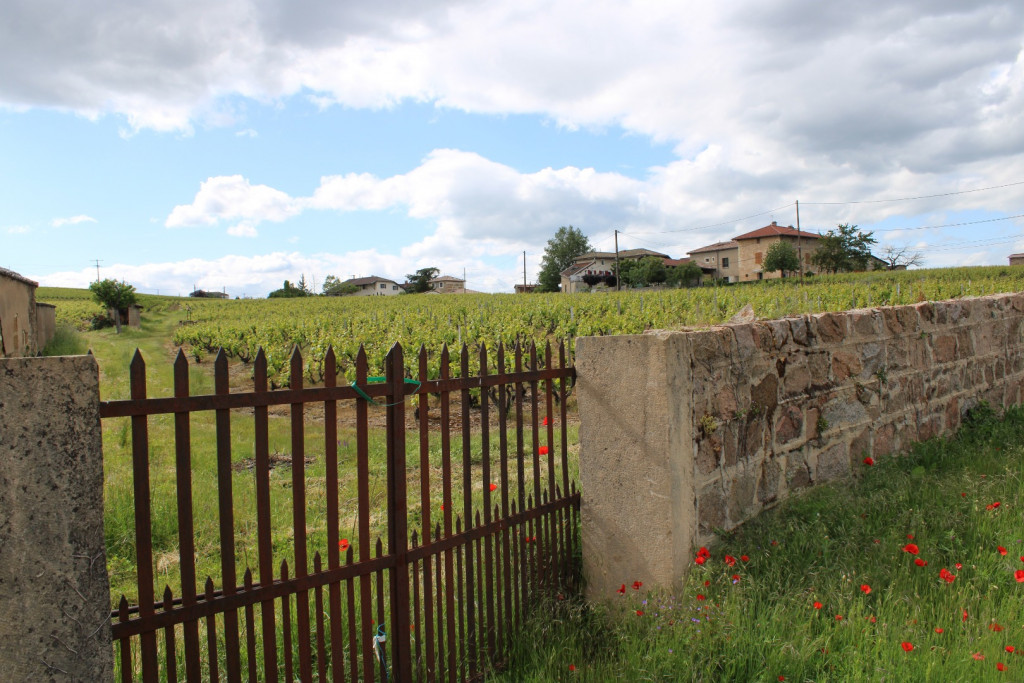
(938, 630)
(958, 565)
(707, 583)
(919, 562)
(543, 450)
(872, 619)
(946, 575)
(621, 590)
(703, 552)
(993, 505)
(775, 542)
(699, 596)
(639, 612)
(699, 559)
(544, 421)
(442, 506)
(735, 578)
(995, 627)
(1010, 649)
(910, 548)
(1001, 549)
(817, 605)
(963, 495)
(1022, 558)
(730, 560)
(744, 558)
(343, 545)
(782, 678)
(965, 615)
(572, 667)
(907, 647)
(869, 461)
(1000, 666)
(839, 617)
(978, 656)
(910, 537)
(865, 589)
(1019, 575)
(637, 584)
(494, 486)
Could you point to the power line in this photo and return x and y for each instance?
(952, 225)
(926, 196)
(718, 225)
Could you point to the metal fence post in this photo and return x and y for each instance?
(398, 521)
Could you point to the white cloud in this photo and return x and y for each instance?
(74, 220)
(231, 198)
(18, 230)
(247, 133)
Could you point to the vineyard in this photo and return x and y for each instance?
(314, 324)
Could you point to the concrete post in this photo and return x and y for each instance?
(54, 590)
(636, 460)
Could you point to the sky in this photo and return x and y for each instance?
(232, 144)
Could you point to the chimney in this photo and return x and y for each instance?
(774, 223)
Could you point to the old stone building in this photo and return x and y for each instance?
(25, 326)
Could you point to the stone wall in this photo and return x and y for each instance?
(54, 591)
(683, 433)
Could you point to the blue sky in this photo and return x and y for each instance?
(236, 143)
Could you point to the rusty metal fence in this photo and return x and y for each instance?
(438, 599)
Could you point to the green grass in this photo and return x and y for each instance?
(66, 341)
(822, 547)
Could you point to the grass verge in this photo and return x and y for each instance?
(916, 573)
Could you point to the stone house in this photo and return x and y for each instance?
(446, 284)
(25, 326)
(721, 257)
(740, 259)
(1017, 259)
(374, 286)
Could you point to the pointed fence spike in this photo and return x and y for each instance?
(221, 357)
(168, 597)
(179, 358)
(123, 604)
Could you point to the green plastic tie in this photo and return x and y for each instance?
(378, 380)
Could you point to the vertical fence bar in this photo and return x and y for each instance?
(485, 476)
(170, 649)
(250, 629)
(549, 421)
(425, 508)
(459, 583)
(301, 568)
(143, 524)
(440, 611)
(506, 558)
(264, 540)
(286, 626)
(520, 471)
(318, 604)
(446, 495)
(381, 595)
(535, 426)
(563, 417)
(211, 637)
(333, 535)
(415, 626)
(467, 510)
(186, 533)
(363, 518)
(398, 522)
(226, 513)
(125, 644)
(353, 638)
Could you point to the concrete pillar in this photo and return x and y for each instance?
(638, 509)
(54, 590)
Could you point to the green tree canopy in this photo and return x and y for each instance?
(650, 270)
(781, 256)
(843, 250)
(113, 294)
(288, 291)
(685, 275)
(420, 280)
(567, 244)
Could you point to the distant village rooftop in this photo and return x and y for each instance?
(774, 230)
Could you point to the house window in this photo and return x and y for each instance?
(707, 260)
(383, 285)
(394, 287)
(757, 258)
(725, 261)
(760, 276)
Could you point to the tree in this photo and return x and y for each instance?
(592, 279)
(288, 291)
(567, 244)
(844, 251)
(335, 287)
(901, 257)
(115, 295)
(420, 280)
(685, 275)
(781, 256)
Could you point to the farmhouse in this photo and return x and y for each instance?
(446, 284)
(740, 259)
(1017, 259)
(374, 286)
(601, 263)
(25, 326)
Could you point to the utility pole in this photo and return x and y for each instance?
(97, 269)
(617, 282)
(524, 272)
(799, 247)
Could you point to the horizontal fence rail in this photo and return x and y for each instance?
(478, 513)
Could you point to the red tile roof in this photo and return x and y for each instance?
(774, 230)
(717, 246)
